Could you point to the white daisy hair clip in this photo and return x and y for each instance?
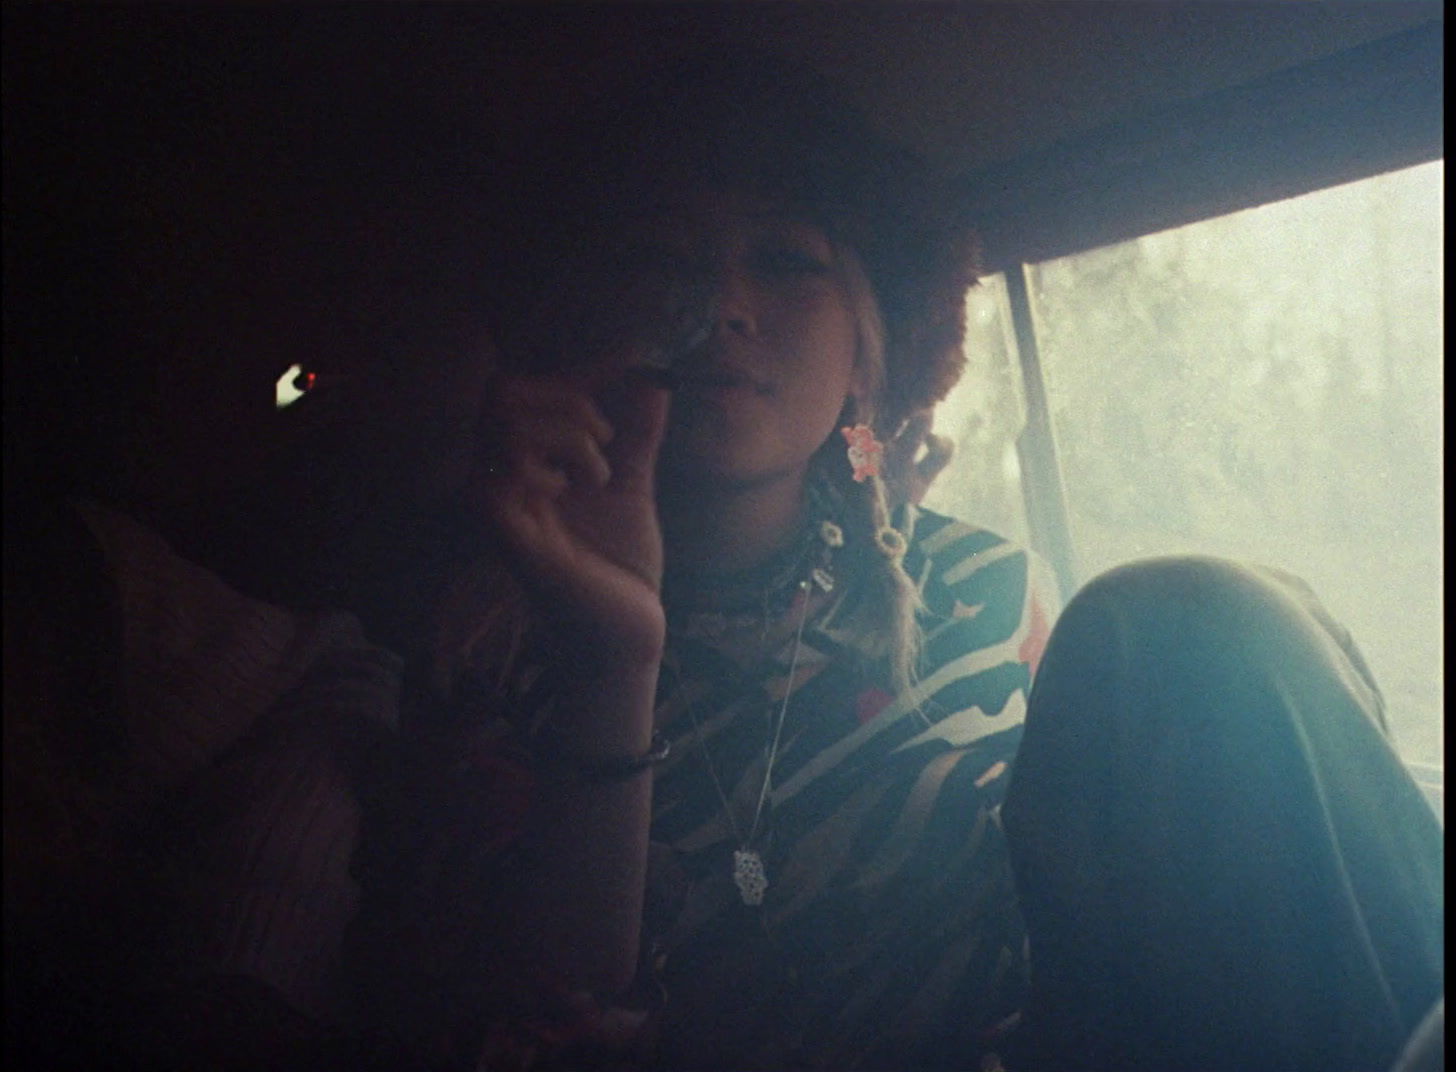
(891, 543)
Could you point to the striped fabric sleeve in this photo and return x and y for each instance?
(245, 728)
(258, 872)
(204, 662)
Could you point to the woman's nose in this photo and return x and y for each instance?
(734, 306)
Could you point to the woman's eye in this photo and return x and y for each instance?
(788, 263)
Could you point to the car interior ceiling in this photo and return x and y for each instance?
(1074, 124)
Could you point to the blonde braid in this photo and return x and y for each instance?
(894, 597)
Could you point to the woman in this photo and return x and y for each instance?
(829, 693)
(1221, 860)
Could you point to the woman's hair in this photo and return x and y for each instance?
(756, 125)
(893, 595)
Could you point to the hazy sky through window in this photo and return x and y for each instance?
(1267, 385)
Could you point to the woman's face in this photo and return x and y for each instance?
(768, 387)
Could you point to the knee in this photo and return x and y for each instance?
(1178, 603)
(1145, 647)
(1202, 582)
(1193, 628)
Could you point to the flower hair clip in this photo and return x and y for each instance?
(865, 451)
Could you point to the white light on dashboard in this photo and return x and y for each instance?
(293, 385)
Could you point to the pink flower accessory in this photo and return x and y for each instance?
(865, 451)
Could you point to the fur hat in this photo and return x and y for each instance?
(755, 123)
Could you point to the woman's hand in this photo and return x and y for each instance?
(915, 457)
(566, 481)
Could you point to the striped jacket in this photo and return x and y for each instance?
(888, 935)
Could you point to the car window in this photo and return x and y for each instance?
(1266, 385)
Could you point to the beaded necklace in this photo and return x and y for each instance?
(809, 568)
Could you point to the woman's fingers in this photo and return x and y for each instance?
(534, 478)
(547, 441)
(520, 395)
(916, 457)
(638, 404)
(939, 451)
(536, 424)
(567, 483)
(556, 424)
(917, 427)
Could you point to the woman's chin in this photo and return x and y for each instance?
(688, 482)
(696, 450)
(691, 473)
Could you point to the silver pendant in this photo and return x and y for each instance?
(749, 876)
